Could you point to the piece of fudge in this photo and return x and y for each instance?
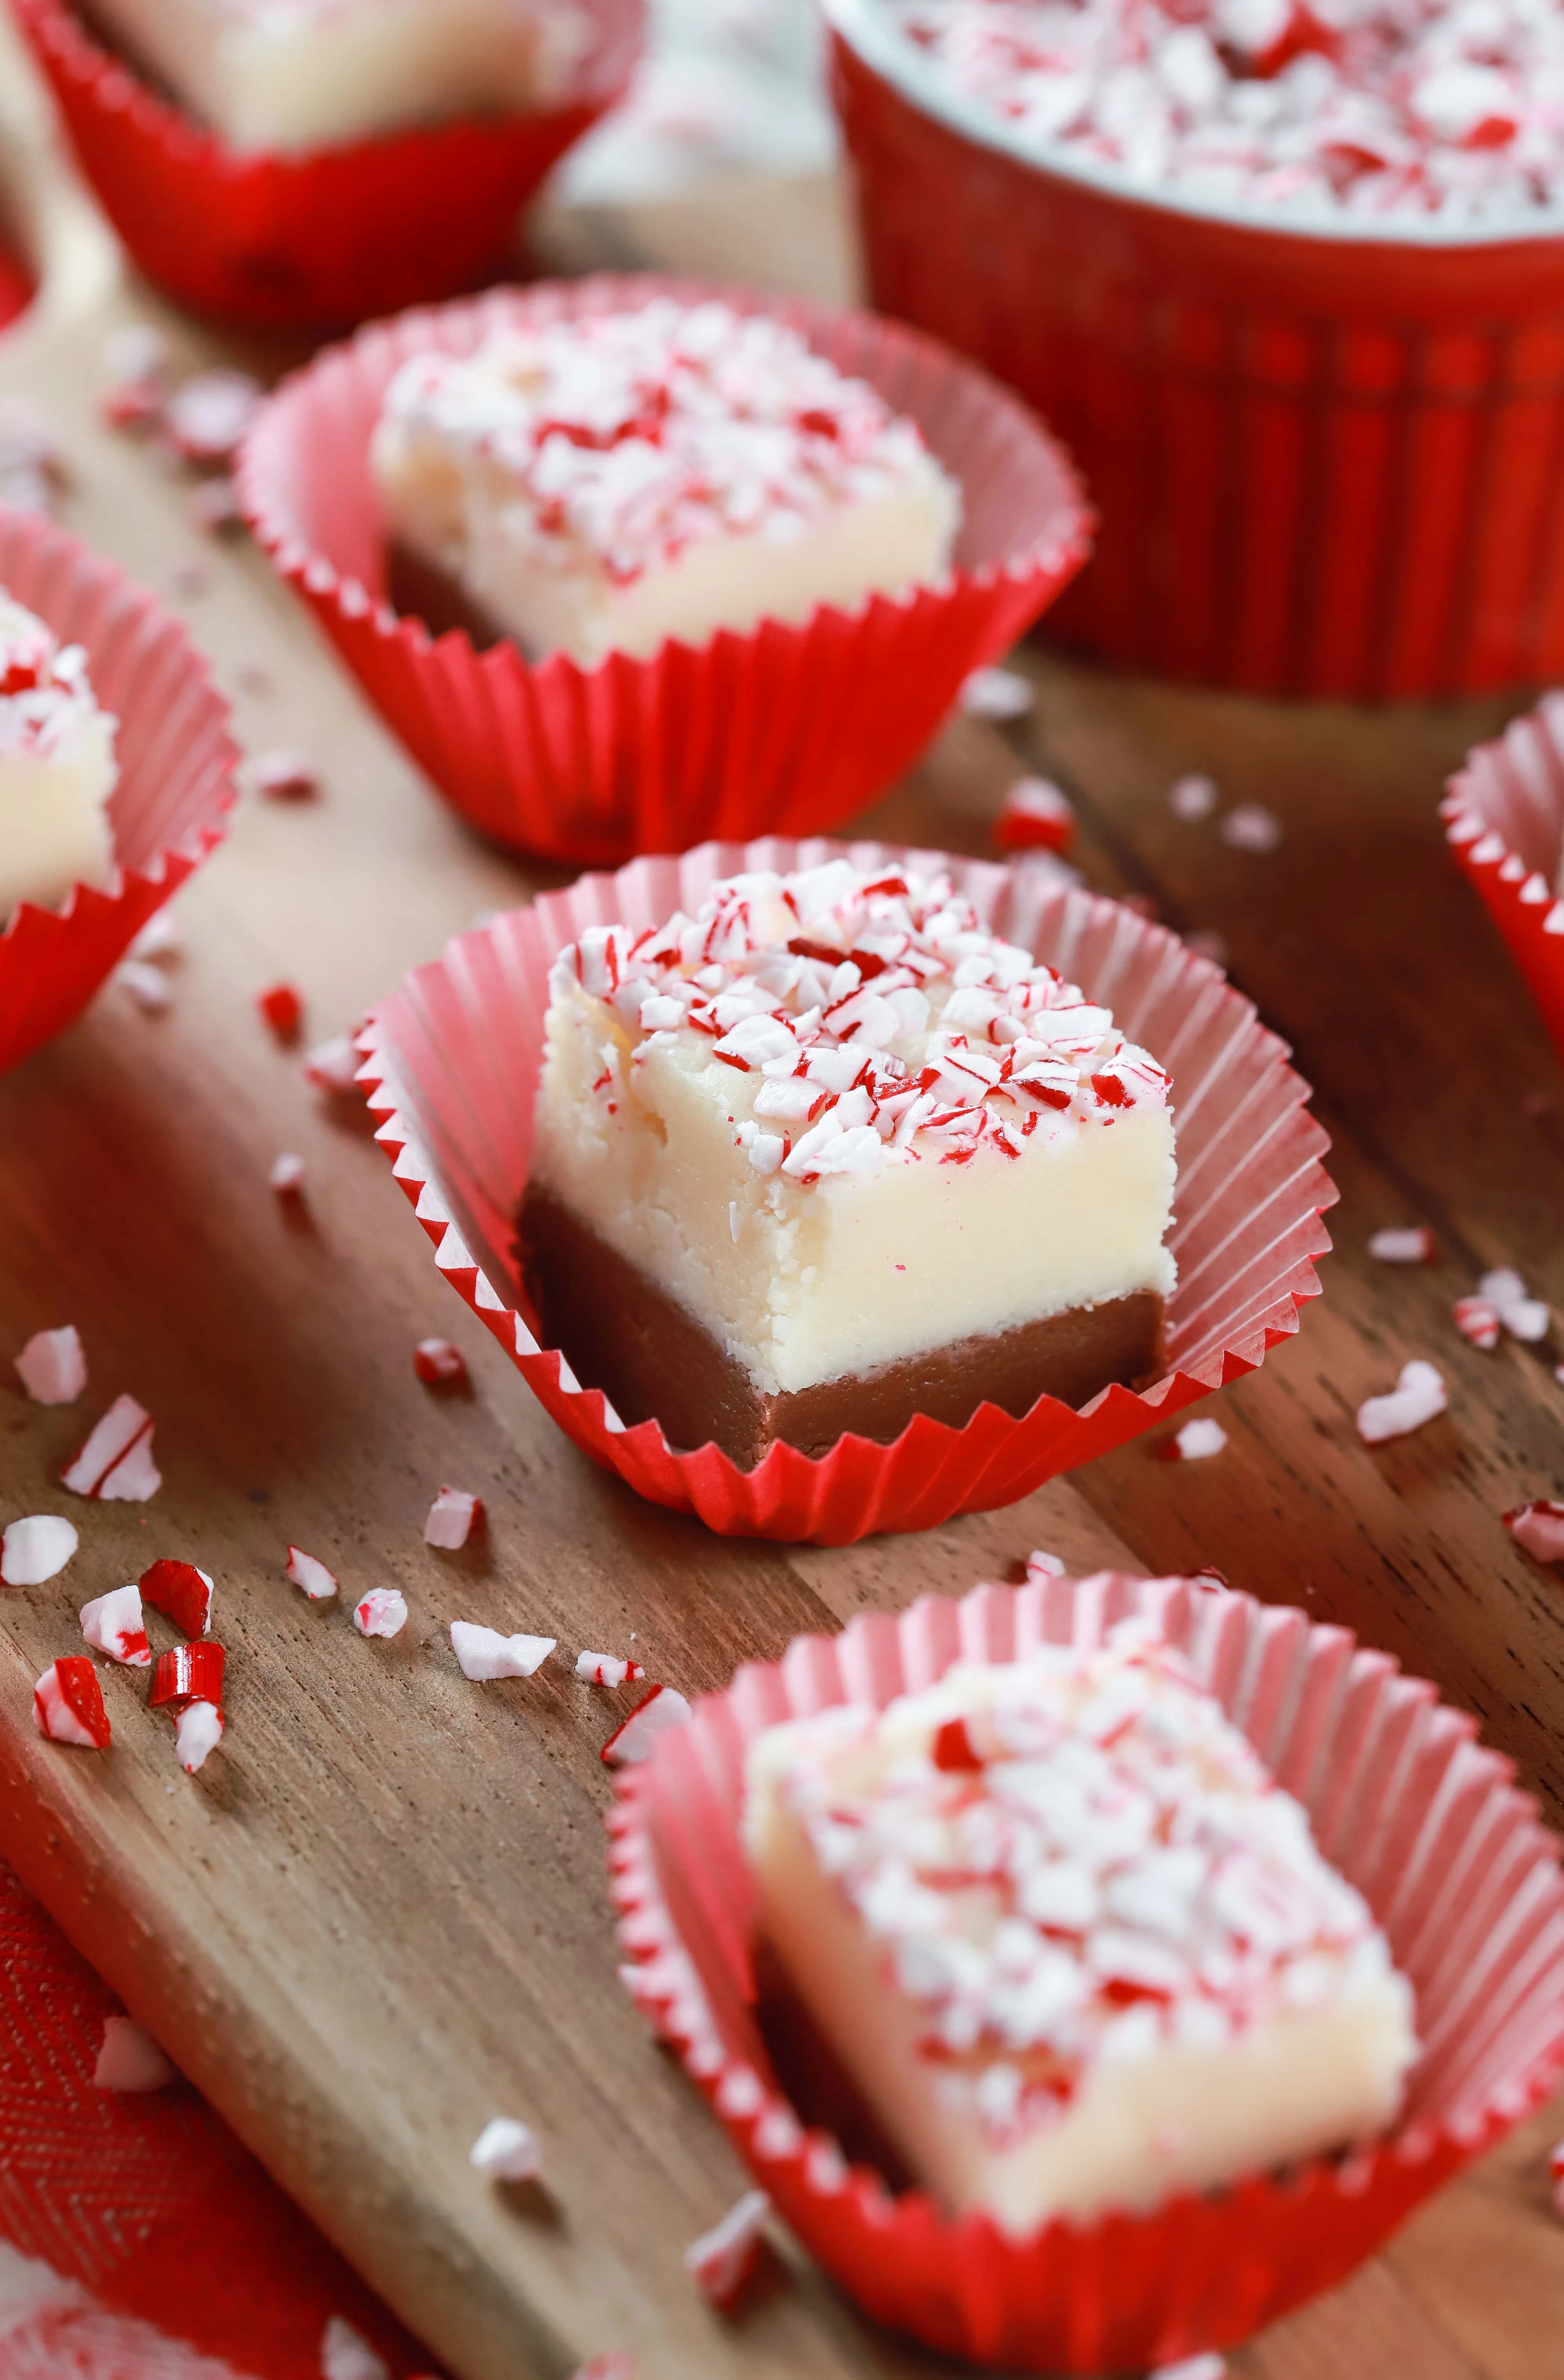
(56, 766)
(1063, 1941)
(294, 75)
(829, 1154)
(602, 485)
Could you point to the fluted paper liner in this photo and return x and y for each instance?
(1461, 1878)
(176, 788)
(452, 1062)
(330, 237)
(780, 729)
(1504, 819)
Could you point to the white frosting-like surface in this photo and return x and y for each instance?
(603, 484)
(56, 766)
(1075, 1948)
(1372, 107)
(842, 1122)
(313, 74)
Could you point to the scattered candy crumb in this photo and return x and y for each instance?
(507, 2151)
(1555, 2171)
(1209, 1575)
(996, 694)
(287, 1177)
(1411, 1244)
(181, 1592)
(620, 2365)
(1538, 1527)
(147, 986)
(1197, 1442)
(721, 2260)
(439, 1364)
(53, 1367)
(116, 1624)
(208, 417)
(36, 1549)
(160, 937)
(662, 1711)
(1476, 1318)
(1194, 2367)
(282, 1008)
(1036, 815)
(331, 1066)
(1417, 1397)
(190, 1673)
(310, 1574)
(197, 1731)
(381, 1612)
(116, 1462)
(283, 776)
(483, 1654)
(131, 2060)
(603, 1669)
(453, 1517)
(1042, 1565)
(1524, 1316)
(1192, 797)
(1250, 828)
(345, 2354)
(67, 1705)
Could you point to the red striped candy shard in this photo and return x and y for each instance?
(182, 1593)
(67, 1705)
(189, 1673)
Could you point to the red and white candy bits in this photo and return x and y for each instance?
(1555, 2170)
(603, 1669)
(311, 1575)
(483, 1654)
(1411, 1244)
(1477, 1320)
(1538, 1527)
(1194, 2367)
(721, 2260)
(1417, 1396)
(1197, 1442)
(116, 1464)
(52, 1367)
(453, 1517)
(114, 1624)
(181, 1592)
(67, 1705)
(285, 776)
(439, 1364)
(282, 1008)
(208, 417)
(1036, 816)
(36, 1549)
(190, 1673)
(332, 1065)
(1524, 1316)
(287, 1177)
(662, 1711)
(381, 1612)
(507, 2151)
(197, 1731)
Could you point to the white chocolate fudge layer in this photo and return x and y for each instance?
(602, 485)
(1074, 1948)
(56, 766)
(841, 1123)
(294, 75)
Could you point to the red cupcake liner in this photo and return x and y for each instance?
(321, 239)
(1504, 821)
(176, 762)
(1326, 464)
(452, 1062)
(781, 729)
(1461, 1878)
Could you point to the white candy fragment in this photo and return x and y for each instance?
(1250, 828)
(1539, 1528)
(131, 2060)
(507, 2151)
(723, 2259)
(345, 2354)
(1192, 797)
(309, 1574)
(196, 1731)
(331, 1066)
(1197, 1442)
(1404, 1245)
(53, 1368)
(453, 1517)
(116, 1625)
(147, 986)
(285, 776)
(1042, 1565)
(1194, 2367)
(208, 417)
(439, 1364)
(116, 1464)
(663, 1709)
(1524, 1316)
(383, 1612)
(1035, 815)
(1476, 1318)
(37, 1550)
(603, 1669)
(287, 1176)
(484, 1654)
(160, 937)
(996, 694)
(1417, 1396)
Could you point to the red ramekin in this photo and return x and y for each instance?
(1326, 464)
(780, 729)
(1427, 1824)
(452, 1068)
(176, 762)
(1504, 821)
(327, 238)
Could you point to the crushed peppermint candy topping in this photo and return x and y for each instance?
(116, 1464)
(282, 1008)
(440, 1364)
(1476, 1318)
(207, 417)
(1555, 2174)
(116, 1624)
(36, 1549)
(721, 2260)
(190, 1673)
(1315, 109)
(1524, 1316)
(182, 1593)
(1418, 1395)
(45, 699)
(605, 1670)
(507, 2150)
(1035, 815)
(453, 1517)
(637, 435)
(67, 1705)
(331, 1066)
(657, 1714)
(483, 1654)
(311, 1575)
(197, 1731)
(287, 1177)
(1539, 1528)
(1069, 1858)
(1197, 1442)
(869, 1016)
(381, 1612)
(1411, 1243)
(283, 776)
(1193, 2367)
(997, 694)
(53, 1368)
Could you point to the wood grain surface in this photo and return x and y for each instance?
(379, 1916)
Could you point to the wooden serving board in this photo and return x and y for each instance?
(379, 1916)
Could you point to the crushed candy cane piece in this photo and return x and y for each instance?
(331, 1066)
(160, 937)
(603, 1669)
(1539, 1528)
(197, 1731)
(67, 1705)
(1476, 1318)
(1042, 1565)
(483, 1654)
(282, 1008)
(131, 2060)
(1250, 828)
(1197, 1442)
(287, 1177)
(345, 2354)
(116, 1624)
(381, 1612)
(53, 1367)
(721, 2260)
(440, 1364)
(661, 1711)
(1417, 1397)
(116, 1464)
(996, 694)
(132, 404)
(147, 986)
(307, 1572)
(285, 776)
(1192, 797)
(1524, 1316)
(1036, 815)
(181, 1592)
(453, 1517)
(36, 1549)
(190, 1673)
(1411, 1243)
(507, 2151)
(208, 417)
(1209, 1575)
(1555, 2170)
(1194, 2367)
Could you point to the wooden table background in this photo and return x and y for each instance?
(379, 1916)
